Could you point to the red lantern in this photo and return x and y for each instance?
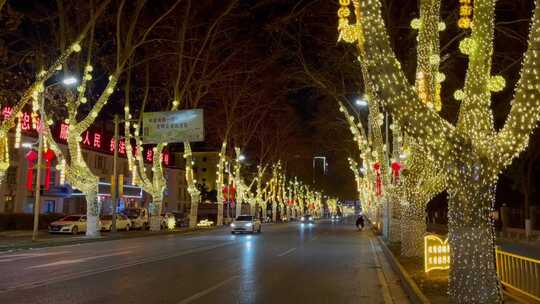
(396, 167)
(49, 156)
(290, 202)
(378, 182)
(228, 193)
(31, 156)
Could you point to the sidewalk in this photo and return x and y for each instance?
(22, 239)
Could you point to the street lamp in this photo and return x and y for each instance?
(361, 102)
(70, 80)
(67, 81)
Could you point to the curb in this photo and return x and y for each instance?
(411, 289)
(84, 240)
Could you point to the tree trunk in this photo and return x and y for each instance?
(274, 212)
(395, 219)
(195, 198)
(219, 219)
(238, 207)
(3, 173)
(155, 215)
(288, 210)
(264, 212)
(473, 277)
(413, 227)
(93, 208)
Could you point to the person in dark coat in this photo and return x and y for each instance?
(360, 222)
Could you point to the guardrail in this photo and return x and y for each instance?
(522, 274)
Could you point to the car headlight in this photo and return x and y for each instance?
(249, 224)
(233, 225)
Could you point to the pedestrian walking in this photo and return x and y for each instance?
(360, 222)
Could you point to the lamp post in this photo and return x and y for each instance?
(114, 184)
(67, 81)
(38, 169)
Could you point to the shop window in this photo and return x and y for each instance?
(100, 162)
(9, 204)
(49, 206)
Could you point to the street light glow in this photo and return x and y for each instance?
(361, 102)
(241, 157)
(69, 80)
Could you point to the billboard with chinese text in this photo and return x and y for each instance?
(174, 126)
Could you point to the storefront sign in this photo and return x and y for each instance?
(436, 253)
(92, 139)
(174, 126)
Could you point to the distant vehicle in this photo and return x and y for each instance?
(335, 218)
(138, 217)
(246, 223)
(122, 222)
(70, 224)
(180, 218)
(307, 219)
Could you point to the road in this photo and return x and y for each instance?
(287, 263)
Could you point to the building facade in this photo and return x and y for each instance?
(205, 167)
(15, 197)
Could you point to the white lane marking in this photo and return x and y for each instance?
(286, 252)
(16, 257)
(380, 275)
(87, 273)
(81, 260)
(207, 291)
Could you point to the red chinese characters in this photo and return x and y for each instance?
(86, 139)
(97, 140)
(64, 129)
(6, 112)
(166, 158)
(25, 121)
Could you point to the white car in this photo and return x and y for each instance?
(122, 222)
(70, 224)
(246, 223)
(138, 217)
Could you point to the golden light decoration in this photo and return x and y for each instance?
(437, 253)
(465, 13)
(472, 153)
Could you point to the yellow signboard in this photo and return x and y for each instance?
(436, 253)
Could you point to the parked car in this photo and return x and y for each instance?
(122, 222)
(246, 223)
(181, 219)
(70, 224)
(138, 217)
(307, 219)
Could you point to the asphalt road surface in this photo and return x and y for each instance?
(287, 263)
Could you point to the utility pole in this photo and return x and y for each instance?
(114, 184)
(38, 168)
